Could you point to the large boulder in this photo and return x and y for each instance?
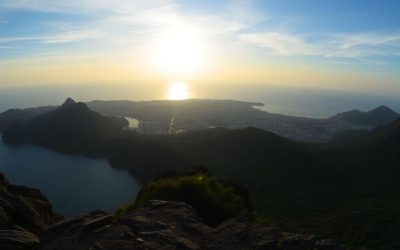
(24, 207)
(24, 212)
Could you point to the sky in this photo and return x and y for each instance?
(332, 44)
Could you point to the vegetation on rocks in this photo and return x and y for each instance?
(214, 200)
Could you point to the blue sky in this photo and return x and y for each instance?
(335, 44)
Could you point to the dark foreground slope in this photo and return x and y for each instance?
(28, 222)
(173, 225)
(350, 192)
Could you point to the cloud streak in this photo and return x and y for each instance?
(367, 39)
(72, 36)
(357, 45)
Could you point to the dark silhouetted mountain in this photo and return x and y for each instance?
(68, 102)
(382, 115)
(70, 124)
(155, 117)
(75, 119)
(21, 115)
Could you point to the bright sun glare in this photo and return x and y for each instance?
(179, 51)
(178, 91)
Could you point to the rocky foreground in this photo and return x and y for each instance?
(24, 213)
(28, 222)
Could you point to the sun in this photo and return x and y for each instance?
(178, 91)
(179, 51)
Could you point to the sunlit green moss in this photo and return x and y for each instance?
(214, 200)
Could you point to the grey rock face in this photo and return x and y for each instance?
(24, 212)
(174, 225)
(24, 207)
(28, 222)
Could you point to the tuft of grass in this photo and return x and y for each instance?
(214, 200)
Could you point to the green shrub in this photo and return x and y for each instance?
(214, 200)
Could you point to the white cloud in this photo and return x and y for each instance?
(72, 36)
(281, 43)
(357, 45)
(368, 39)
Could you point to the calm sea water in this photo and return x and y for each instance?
(73, 184)
(306, 102)
(322, 104)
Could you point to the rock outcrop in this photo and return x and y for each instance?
(28, 222)
(171, 225)
(24, 207)
(24, 212)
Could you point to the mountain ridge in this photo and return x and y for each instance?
(155, 117)
(58, 126)
(379, 116)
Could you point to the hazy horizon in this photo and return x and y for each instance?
(288, 100)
